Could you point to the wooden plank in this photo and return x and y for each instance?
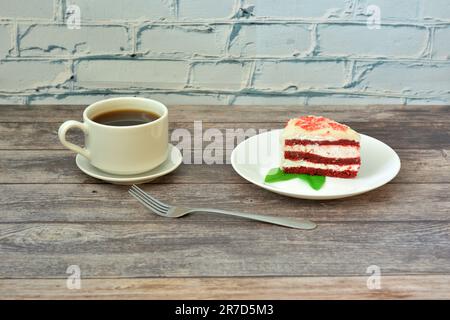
(58, 166)
(403, 227)
(81, 202)
(185, 248)
(364, 113)
(412, 135)
(392, 287)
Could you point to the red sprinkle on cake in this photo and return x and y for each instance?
(320, 146)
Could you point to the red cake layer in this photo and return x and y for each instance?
(321, 172)
(340, 142)
(298, 155)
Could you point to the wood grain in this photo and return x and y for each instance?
(186, 248)
(58, 166)
(410, 135)
(84, 202)
(247, 114)
(53, 216)
(392, 287)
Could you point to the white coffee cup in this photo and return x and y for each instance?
(122, 150)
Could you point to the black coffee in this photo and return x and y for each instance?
(125, 117)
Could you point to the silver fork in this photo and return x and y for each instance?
(169, 211)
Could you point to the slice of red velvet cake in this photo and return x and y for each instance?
(320, 146)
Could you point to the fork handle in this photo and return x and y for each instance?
(285, 222)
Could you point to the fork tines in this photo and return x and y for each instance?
(149, 201)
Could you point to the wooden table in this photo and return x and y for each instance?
(53, 216)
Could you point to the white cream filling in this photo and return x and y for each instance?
(326, 150)
(302, 163)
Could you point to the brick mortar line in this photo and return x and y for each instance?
(144, 23)
(205, 91)
(215, 59)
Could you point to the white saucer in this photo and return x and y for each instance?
(254, 157)
(174, 159)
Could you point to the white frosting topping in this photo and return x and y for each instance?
(318, 128)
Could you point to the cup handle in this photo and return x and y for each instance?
(66, 126)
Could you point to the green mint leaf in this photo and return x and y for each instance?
(276, 175)
(316, 182)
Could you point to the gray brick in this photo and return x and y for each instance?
(390, 10)
(10, 99)
(43, 40)
(5, 40)
(124, 9)
(271, 40)
(225, 76)
(301, 75)
(205, 9)
(423, 78)
(166, 98)
(190, 98)
(299, 9)
(350, 99)
(355, 40)
(442, 100)
(441, 45)
(42, 9)
(18, 76)
(130, 74)
(184, 40)
(436, 9)
(262, 100)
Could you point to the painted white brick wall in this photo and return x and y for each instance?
(23, 9)
(291, 76)
(204, 9)
(131, 74)
(58, 40)
(230, 75)
(122, 10)
(270, 40)
(20, 76)
(226, 52)
(388, 41)
(5, 40)
(183, 41)
(305, 9)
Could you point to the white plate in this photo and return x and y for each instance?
(172, 162)
(254, 157)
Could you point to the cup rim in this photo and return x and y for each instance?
(95, 104)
